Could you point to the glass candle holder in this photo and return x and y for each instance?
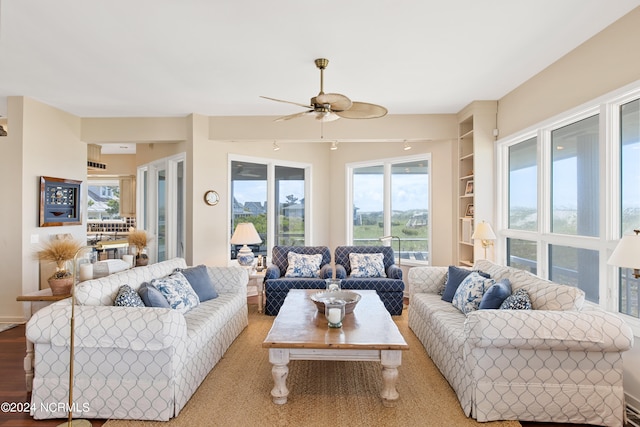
(334, 312)
(333, 284)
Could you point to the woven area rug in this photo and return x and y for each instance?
(237, 391)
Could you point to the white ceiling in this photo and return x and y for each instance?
(120, 58)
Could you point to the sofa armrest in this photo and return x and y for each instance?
(135, 328)
(272, 272)
(591, 330)
(394, 272)
(426, 279)
(229, 279)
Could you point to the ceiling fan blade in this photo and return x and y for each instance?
(293, 116)
(287, 102)
(337, 101)
(363, 110)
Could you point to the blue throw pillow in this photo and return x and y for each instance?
(127, 297)
(152, 297)
(200, 282)
(455, 276)
(178, 292)
(519, 300)
(495, 295)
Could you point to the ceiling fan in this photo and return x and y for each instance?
(331, 106)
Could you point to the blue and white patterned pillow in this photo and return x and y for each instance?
(469, 294)
(367, 265)
(178, 292)
(302, 265)
(519, 300)
(127, 297)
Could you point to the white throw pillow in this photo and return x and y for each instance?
(178, 292)
(367, 265)
(302, 265)
(469, 294)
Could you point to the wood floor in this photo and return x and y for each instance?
(13, 389)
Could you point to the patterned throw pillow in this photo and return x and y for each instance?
(302, 265)
(519, 300)
(178, 292)
(367, 265)
(469, 294)
(127, 297)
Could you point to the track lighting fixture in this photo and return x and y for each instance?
(334, 145)
(276, 147)
(407, 146)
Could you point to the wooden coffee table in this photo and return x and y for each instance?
(300, 332)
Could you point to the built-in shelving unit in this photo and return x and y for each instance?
(475, 175)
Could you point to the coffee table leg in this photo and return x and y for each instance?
(391, 360)
(279, 358)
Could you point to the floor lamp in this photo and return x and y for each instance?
(71, 422)
(388, 239)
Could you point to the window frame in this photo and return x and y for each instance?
(387, 163)
(608, 108)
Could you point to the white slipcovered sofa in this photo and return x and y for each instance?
(556, 363)
(140, 363)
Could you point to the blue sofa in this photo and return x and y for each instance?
(390, 289)
(277, 285)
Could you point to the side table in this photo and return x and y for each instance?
(256, 278)
(33, 302)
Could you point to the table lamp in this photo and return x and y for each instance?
(485, 233)
(627, 253)
(245, 234)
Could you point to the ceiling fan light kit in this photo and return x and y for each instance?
(332, 106)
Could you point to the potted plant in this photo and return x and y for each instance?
(139, 239)
(60, 251)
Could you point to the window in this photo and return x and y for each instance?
(522, 254)
(523, 187)
(588, 195)
(575, 179)
(282, 222)
(103, 202)
(391, 198)
(629, 198)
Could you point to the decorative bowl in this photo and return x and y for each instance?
(350, 298)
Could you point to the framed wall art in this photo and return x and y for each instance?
(60, 202)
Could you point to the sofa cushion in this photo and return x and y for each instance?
(127, 297)
(302, 265)
(367, 265)
(469, 294)
(178, 292)
(200, 282)
(152, 297)
(455, 276)
(495, 295)
(519, 300)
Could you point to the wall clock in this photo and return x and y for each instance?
(211, 198)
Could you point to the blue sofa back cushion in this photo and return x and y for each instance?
(495, 295)
(279, 258)
(455, 276)
(199, 279)
(342, 257)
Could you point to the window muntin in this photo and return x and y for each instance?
(391, 198)
(575, 178)
(523, 185)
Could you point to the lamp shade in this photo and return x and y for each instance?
(627, 253)
(245, 234)
(483, 231)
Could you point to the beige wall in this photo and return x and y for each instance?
(607, 61)
(604, 63)
(44, 141)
